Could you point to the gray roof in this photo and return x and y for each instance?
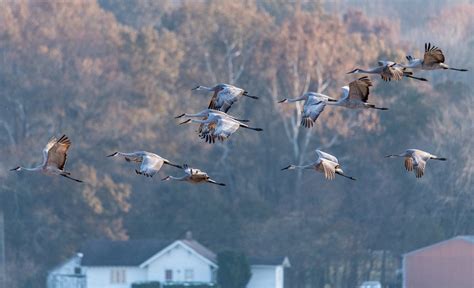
(136, 252)
(120, 253)
(203, 251)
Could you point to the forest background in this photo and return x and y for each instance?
(112, 74)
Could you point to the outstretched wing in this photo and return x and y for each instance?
(359, 89)
(311, 113)
(327, 156)
(390, 72)
(48, 146)
(57, 153)
(432, 55)
(222, 100)
(418, 165)
(226, 126)
(409, 163)
(151, 164)
(329, 169)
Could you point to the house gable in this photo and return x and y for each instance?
(174, 245)
(179, 263)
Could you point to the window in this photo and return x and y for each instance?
(77, 270)
(188, 274)
(169, 275)
(118, 276)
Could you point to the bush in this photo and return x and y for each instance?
(234, 270)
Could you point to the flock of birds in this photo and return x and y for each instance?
(216, 124)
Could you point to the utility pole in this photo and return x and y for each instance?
(2, 251)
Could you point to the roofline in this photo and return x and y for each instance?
(64, 262)
(460, 237)
(171, 246)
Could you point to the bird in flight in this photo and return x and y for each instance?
(325, 163)
(433, 59)
(194, 176)
(415, 160)
(54, 159)
(150, 163)
(388, 70)
(216, 125)
(313, 106)
(355, 96)
(225, 95)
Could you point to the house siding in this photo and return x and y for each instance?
(263, 277)
(65, 276)
(448, 264)
(178, 259)
(99, 277)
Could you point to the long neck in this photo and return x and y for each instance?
(182, 178)
(202, 121)
(309, 166)
(200, 114)
(132, 154)
(396, 155)
(38, 168)
(205, 88)
(370, 70)
(297, 99)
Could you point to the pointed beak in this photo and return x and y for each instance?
(283, 101)
(15, 169)
(195, 88)
(286, 168)
(179, 116)
(185, 122)
(112, 155)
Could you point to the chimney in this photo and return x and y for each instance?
(189, 235)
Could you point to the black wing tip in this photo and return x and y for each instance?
(64, 139)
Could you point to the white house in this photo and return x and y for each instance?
(119, 264)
